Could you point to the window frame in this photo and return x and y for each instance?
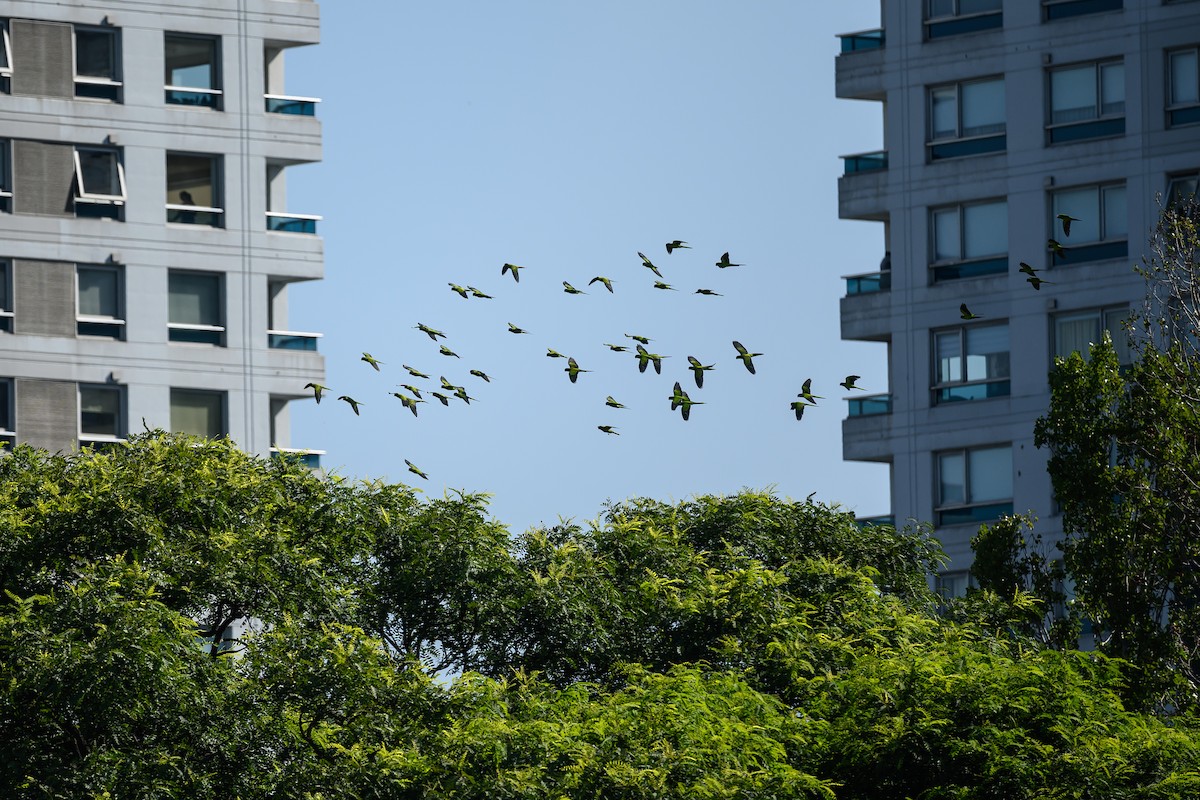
(100, 326)
(970, 511)
(956, 22)
(1177, 178)
(949, 392)
(1188, 113)
(963, 267)
(1102, 249)
(223, 402)
(211, 98)
(194, 215)
(8, 408)
(1098, 126)
(6, 44)
(90, 439)
(6, 284)
(109, 89)
(97, 198)
(1077, 8)
(6, 193)
(1100, 317)
(961, 145)
(198, 333)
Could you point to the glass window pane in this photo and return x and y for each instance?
(4, 184)
(951, 479)
(1075, 333)
(96, 54)
(983, 108)
(1084, 206)
(990, 474)
(985, 228)
(948, 351)
(1114, 323)
(1073, 94)
(99, 411)
(191, 180)
(1184, 83)
(98, 172)
(191, 62)
(946, 240)
(4, 297)
(6, 421)
(979, 6)
(1181, 188)
(194, 299)
(1112, 89)
(987, 352)
(944, 110)
(941, 8)
(98, 293)
(1116, 215)
(197, 412)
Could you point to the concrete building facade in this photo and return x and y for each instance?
(999, 115)
(146, 244)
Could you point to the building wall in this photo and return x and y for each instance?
(43, 228)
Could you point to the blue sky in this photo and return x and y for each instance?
(566, 137)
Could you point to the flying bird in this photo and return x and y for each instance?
(679, 399)
(661, 285)
(552, 353)
(353, 403)
(645, 358)
(433, 334)
(850, 383)
(676, 244)
(462, 291)
(572, 369)
(318, 390)
(409, 402)
(414, 470)
(611, 403)
(447, 385)
(636, 338)
(476, 293)
(616, 348)
(1033, 279)
(415, 391)
(806, 393)
(1067, 219)
(480, 374)
(1057, 249)
(513, 269)
(414, 372)
(608, 429)
(441, 398)
(601, 279)
(514, 329)
(965, 313)
(725, 262)
(374, 362)
(461, 394)
(798, 406)
(569, 289)
(446, 351)
(746, 356)
(708, 292)
(698, 370)
(648, 264)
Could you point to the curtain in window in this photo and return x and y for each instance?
(1185, 78)
(194, 299)
(951, 479)
(987, 352)
(1084, 206)
(1075, 334)
(990, 474)
(986, 229)
(946, 243)
(1116, 214)
(982, 108)
(98, 293)
(198, 413)
(1073, 94)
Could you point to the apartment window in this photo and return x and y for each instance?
(974, 485)
(99, 310)
(1181, 187)
(99, 182)
(1183, 91)
(971, 363)
(8, 420)
(198, 412)
(1061, 9)
(194, 189)
(101, 418)
(1087, 101)
(195, 305)
(966, 118)
(5, 56)
(193, 75)
(1077, 331)
(5, 177)
(97, 63)
(969, 240)
(1101, 229)
(952, 585)
(6, 305)
(952, 17)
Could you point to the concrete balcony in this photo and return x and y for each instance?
(862, 189)
(859, 70)
(868, 437)
(866, 317)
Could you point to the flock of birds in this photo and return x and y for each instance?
(679, 399)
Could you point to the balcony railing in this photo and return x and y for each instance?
(868, 283)
(307, 458)
(292, 223)
(863, 40)
(973, 514)
(296, 106)
(293, 340)
(977, 390)
(193, 96)
(195, 215)
(871, 405)
(192, 333)
(865, 162)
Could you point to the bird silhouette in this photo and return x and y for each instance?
(480, 374)
(609, 429)
(409, 402)
(806, 392)
(354, 404)
(965, 313)
(611, 403)
(412, 389)
(569, 289)
(1056, 249)
(676, 245)
(644, 357)
(462, 291)
(318, 390)
(476, 293)
(708, 292)
(446, 351)
(798, 406)
(374, 362)
(698, 370)
(601, 279)
(648, 264)
(513, 269)
(849, 383)
(447, 385)
(1033, 279)
(433, 334)
(661, 285)
(461, 394)
(1066, 220)
(414, 470)
(443, 399)
(746, 356)
(514, 329)
(552, 353)
(636, 338)
(416, 373)
(679, 399)
(572, 369)
(616, 348)
(725, 262)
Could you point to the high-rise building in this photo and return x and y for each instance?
(1000, 115)
(146, 244)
